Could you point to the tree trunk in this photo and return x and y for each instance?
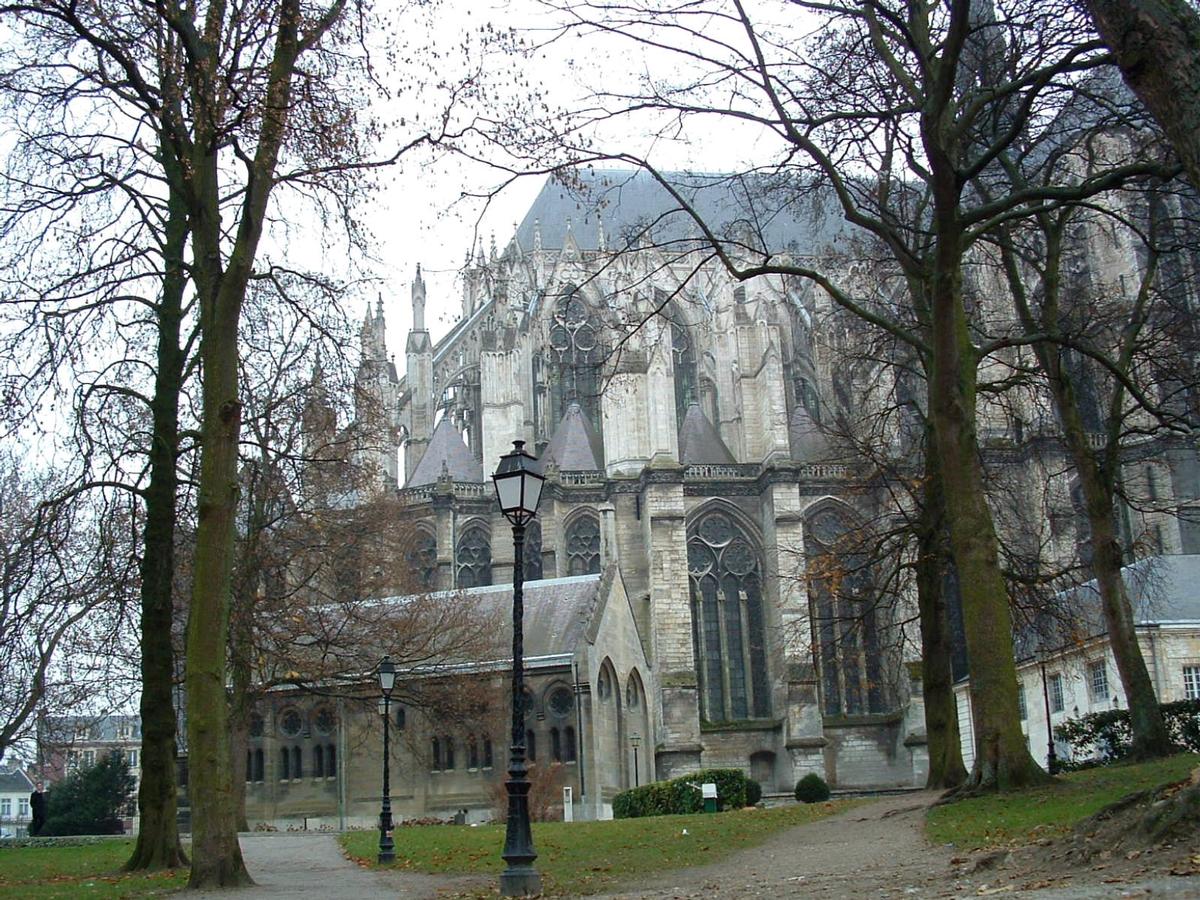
(1002, 760)
(158, 845)
(1157, 47)
(946, 769)
(216, 854)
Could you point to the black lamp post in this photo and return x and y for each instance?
(1051, 756)
(636, 740)
(387, 680)
(518, 490)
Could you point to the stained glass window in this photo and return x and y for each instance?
(532, 555)
(843, 610)
(583, 546)
(575, 358)
(422, 559)
(728, 630)
(474, 559)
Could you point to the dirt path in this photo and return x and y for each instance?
(879, 850)
(875, 850)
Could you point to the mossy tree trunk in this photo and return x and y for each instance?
(158, 845)
(1156, 44)
(946, 769)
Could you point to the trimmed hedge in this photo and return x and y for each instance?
(753, 792)
(679, 796)
(1106, 736)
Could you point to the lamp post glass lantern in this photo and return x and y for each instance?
(518, 491)
(387, 681)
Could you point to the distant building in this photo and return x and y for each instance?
(15, 788)
(66, 743)
(1069, 670)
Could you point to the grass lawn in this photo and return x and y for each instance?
(587, 857)
(1026, 816)
(92, 870)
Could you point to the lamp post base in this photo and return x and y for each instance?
(520, 881)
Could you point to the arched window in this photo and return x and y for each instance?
(555, 745)
(297, 763)
(448, 754)
(472, 753)
(843, 615)
(401, 717)
(530, 745)
(259, 765)
(487, 753)
(422, 559)
(569, 744)
(436, 755)
(318, 761)
(330, 761)
(474, 558)
(532, 556)
(583, 546)
(684, 358)
(249, 765)
(575, 358)
(728, 631)
(285, 763)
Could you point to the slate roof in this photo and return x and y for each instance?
(575, 446)
(1164, 590)
(699, 440)
(446, 446)
(808, 442)
(786, 214)
(98, 728)
(15, 782)
(558, 612)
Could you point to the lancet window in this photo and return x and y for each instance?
(575, 358)
(422, 559)
(583, 546)
(683, 354)
(844, 617)
(474, 558)
(728, 630)
(532, 554)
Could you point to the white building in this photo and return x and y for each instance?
(15, 788)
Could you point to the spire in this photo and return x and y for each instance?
(418, 301)
(446, 456)
(575, 446)
(601, 238)
(537, 234)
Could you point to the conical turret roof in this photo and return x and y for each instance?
(699, 440)
(446, 450)
(575, 445)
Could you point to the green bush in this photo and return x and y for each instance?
(1106, 735)
(682, 795)
(812, 789)
(753, 792)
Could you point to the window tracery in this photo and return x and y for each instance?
(422, 559)
(474, 558)
(575, 357)
(583, 546)
(728, 630)
(532, 554)
(683, 354)
(844, 617)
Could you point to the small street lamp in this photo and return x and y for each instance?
(1051, 756)
(518, 490)
(387, 681)
(636, 740)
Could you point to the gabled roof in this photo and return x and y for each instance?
(699, 440)
(15, 782)
(808, 442)
(575, 445)
(446, 446)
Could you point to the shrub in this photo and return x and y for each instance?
(91, 800)
(812, 789)
(682, 795)
(753, 792)
(1106, 734)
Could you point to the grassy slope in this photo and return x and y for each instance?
(1006, 819)
(586, 857)
(91, 871)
